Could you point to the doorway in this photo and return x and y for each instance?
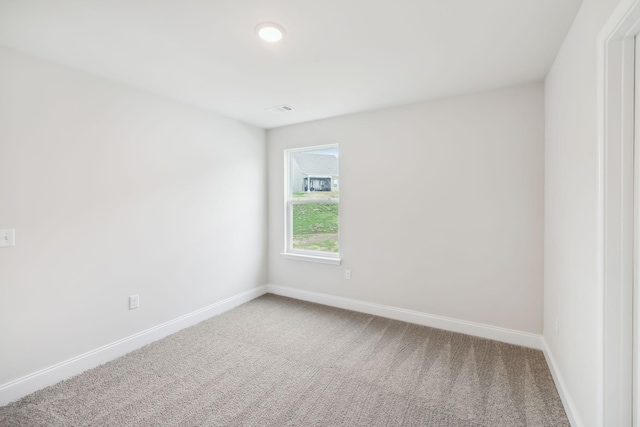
(619, 219)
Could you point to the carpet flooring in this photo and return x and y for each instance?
(277, 361)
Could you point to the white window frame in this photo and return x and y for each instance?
(289, 251)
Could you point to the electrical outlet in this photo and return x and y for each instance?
(7, 238)
(347, 274)
(134, 302)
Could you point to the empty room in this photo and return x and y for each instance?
(336, 213)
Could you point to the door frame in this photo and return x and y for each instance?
(616, 82)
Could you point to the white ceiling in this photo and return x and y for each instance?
(339, 56)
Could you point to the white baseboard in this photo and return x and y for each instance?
(20, 387)
(509, 336)
(567, 402)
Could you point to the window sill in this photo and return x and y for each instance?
(312, 258)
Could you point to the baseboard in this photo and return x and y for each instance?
(509, 336)
(567, 402)
(16, 389)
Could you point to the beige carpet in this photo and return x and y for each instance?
(281, 362)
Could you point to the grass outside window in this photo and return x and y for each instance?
(315, 227)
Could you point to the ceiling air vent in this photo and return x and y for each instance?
(280, 109)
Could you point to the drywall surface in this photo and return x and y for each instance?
(114, 192)
(572, 297)
(441, 207)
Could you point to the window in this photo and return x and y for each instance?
(312, 204)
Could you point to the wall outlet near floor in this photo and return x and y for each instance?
(7, 238)
(134, 302)
(347, 274)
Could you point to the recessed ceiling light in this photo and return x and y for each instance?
(270, 32)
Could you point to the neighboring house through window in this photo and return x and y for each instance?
(312, 203)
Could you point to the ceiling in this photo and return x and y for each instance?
(338, 57)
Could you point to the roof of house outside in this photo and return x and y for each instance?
(317, 164)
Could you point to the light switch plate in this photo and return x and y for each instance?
(7, 238)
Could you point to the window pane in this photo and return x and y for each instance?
(315, 226)
(314, 174)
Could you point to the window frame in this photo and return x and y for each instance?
(289, 201)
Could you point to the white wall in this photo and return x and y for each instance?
(454, 226)
(571, 183)
(112, 192)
